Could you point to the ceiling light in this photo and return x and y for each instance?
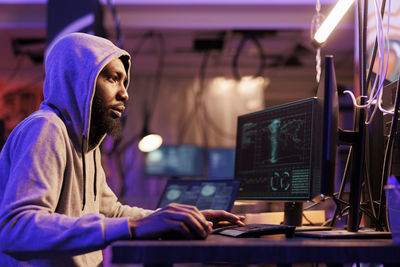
(150, 142)
(332, 20)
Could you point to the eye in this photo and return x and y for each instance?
(112, 78)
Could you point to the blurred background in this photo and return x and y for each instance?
(197, 65)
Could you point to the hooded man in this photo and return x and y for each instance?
(56, 208)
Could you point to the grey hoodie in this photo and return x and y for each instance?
(55, 206)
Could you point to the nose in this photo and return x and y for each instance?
(123, 94)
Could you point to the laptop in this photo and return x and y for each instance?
(203, 193)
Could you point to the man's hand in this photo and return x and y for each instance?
(222, 218)
(185, 221)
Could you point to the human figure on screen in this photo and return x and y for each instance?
(56, 208)
(273, 128)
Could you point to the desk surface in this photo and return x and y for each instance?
(268, 249)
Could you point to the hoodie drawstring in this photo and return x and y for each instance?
(95, 175)
(84, 174)
(59, 114)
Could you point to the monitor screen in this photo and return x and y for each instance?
(175, 161)
(274, 152)
(221, 163)
(202, 193)
(288, 152)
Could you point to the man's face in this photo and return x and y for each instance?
(109, 99)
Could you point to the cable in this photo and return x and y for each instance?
(315, 24)
(387, 160)
(367, 185)
(202, 77)
(382, 47)
(316, 203)
(308, 220)
(206, 116)
(158, 76)
(211, 124)
(159, 70)
(141, 42)
(372, 62)
(200, 106)
(198, 103)
(246, 37)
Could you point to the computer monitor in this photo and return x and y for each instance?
(288, 152)
(175, 161)
(221, 163)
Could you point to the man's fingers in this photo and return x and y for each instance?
(217, 216)
(193, 211)
(181, 221)
(166, 224)
(178, 230)
(194, 226)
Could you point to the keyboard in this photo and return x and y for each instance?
(255, 230)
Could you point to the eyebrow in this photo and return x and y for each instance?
(117, 72)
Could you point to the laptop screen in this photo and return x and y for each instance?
(202, 193)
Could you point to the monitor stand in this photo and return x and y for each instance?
(293, 215)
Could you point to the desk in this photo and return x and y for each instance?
(269, 249)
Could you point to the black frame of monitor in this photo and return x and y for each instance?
(265, 180)
(322, 112)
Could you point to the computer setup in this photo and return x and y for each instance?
(262, 137)
(283, 153)
(287, 152)
(368, 166)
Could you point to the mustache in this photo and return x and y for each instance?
(119, 107)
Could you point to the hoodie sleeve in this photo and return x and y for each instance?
(111, 207)
(29, 226)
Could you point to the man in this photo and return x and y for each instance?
(55, 206)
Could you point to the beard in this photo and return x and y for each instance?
(102, 122)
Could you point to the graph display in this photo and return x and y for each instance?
(274, 152)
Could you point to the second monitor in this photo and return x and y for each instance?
(288, 152)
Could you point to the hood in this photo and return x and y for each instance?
(72, 67)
